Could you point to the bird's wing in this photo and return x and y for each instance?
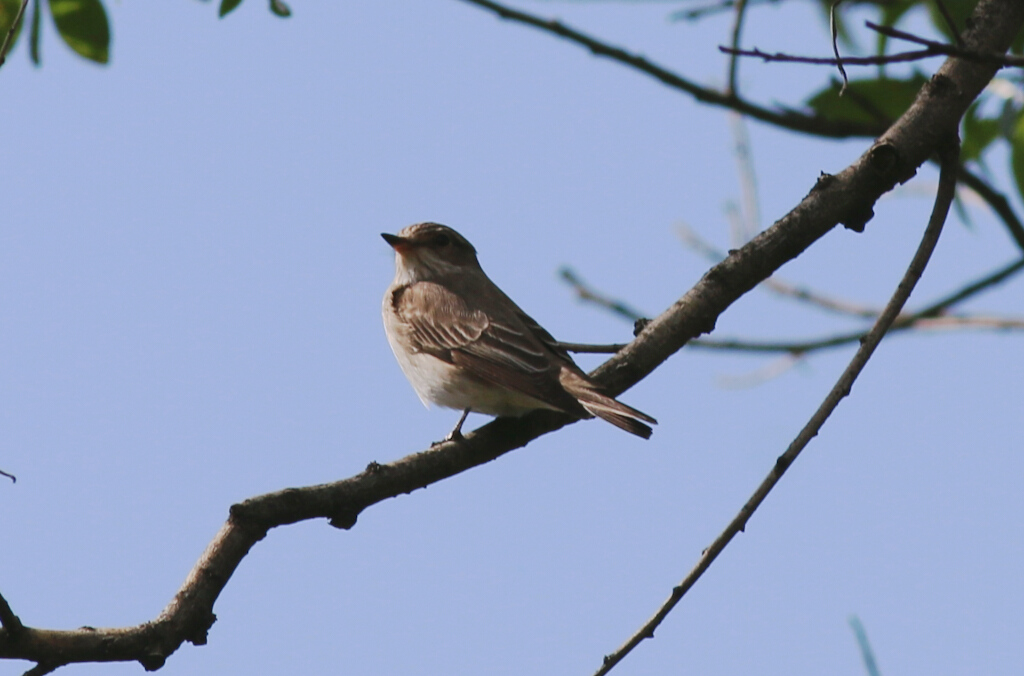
(503, 351)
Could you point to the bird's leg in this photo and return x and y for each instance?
(456, 433)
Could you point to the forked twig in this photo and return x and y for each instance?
(943, 199)
(786, 119)
(931, 317)
(948, 18)
(948, 49)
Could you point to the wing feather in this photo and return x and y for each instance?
(505, 353)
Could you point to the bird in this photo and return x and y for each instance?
(463, 344)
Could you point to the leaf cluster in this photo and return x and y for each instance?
(82, 24)
(994, 119)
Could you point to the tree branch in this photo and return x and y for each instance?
(920, 319)
(943, 200)
(801, 348)
(931, 48)
(785, 119)
(788, 119)
(847, 197)
(948, 18)
(775, 284)
(995, 58)
(782, 57)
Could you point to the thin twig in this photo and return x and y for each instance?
(980, 284)
(927, 318)
(836, 305)
(844, 198)
(10, 33)
(708, 10)
(777, 285)
(948, 49)
(784, 119)
(879, 60)
(750, 211)
(968, 322)
(788, 119)
(918, 324)
(932, 48)
(737, 30)
(948, 18)
(770, 370)
(835, 44)
(585, 293)
(13, 478)
(943, 200)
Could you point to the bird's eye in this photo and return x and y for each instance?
(442, 240)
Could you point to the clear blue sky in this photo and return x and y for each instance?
(191, 277)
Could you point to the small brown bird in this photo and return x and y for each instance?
(464, 344)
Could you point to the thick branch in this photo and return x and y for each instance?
(847, 198)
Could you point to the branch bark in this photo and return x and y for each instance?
(847, 197)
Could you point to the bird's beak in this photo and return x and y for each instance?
(397, 243)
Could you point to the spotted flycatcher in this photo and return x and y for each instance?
(464, 344)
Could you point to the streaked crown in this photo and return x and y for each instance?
(434, 235)
(426, 250)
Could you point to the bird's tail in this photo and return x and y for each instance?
(604, 407)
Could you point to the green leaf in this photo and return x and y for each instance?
(1009, 118)
(227, 6)
(280, 9)
(868, 101)
(1017, 155)
(978, 134)
(84, 27)
(9, 10)
(961, 211)
(33, 37)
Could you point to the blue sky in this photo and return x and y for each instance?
(192, 272)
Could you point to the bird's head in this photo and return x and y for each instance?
(428, 250)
